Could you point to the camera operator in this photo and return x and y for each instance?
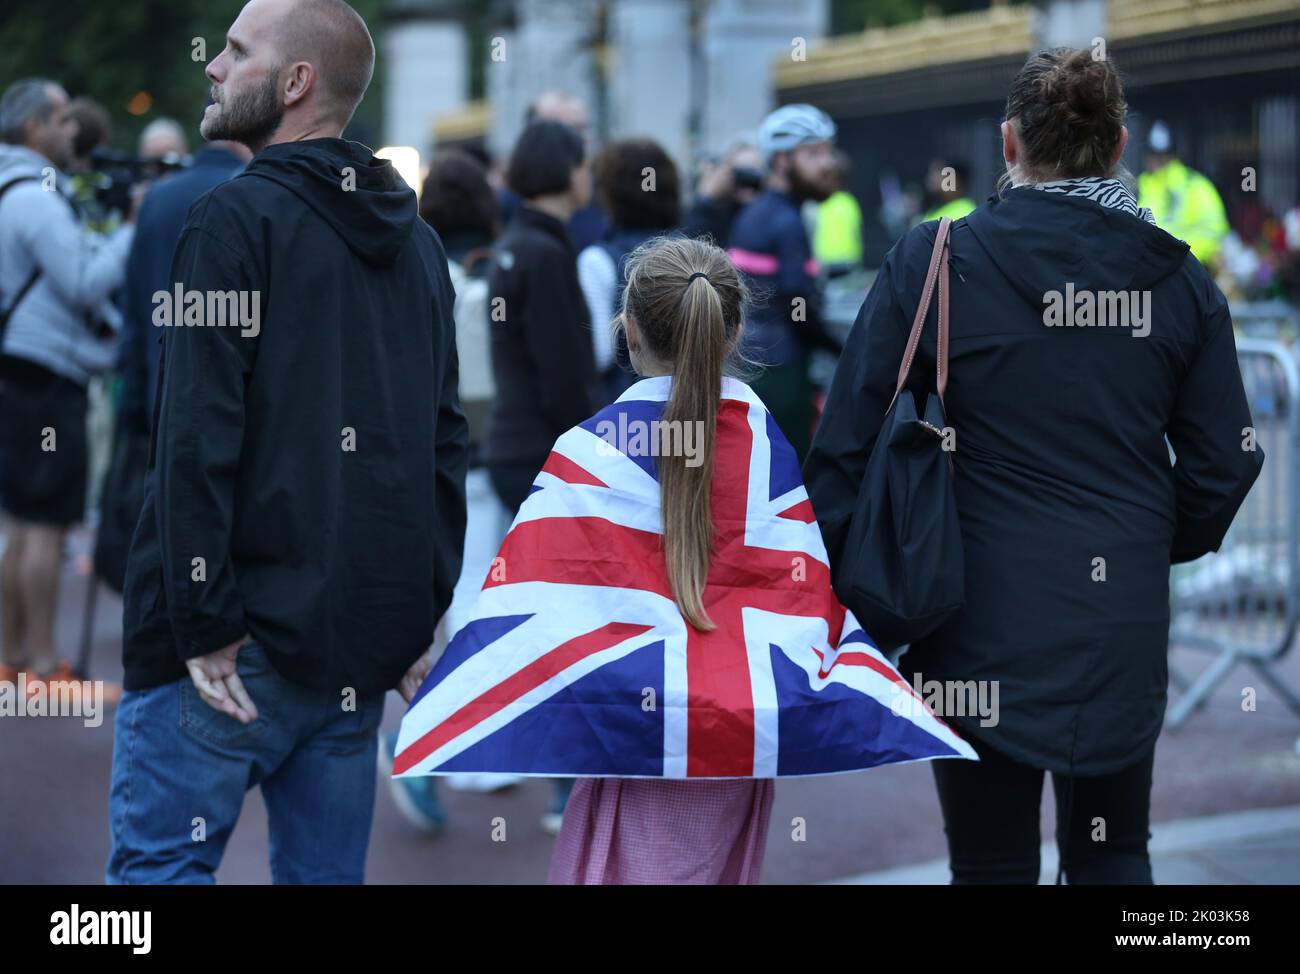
(725, 186)
(163, 139)
(54, 277)
(94, 129)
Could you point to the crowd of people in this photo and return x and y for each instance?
(297, 523)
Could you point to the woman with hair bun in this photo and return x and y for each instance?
(1084, 343)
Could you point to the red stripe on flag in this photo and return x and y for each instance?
(869, 661)
(850, 658)
(511, 689)
(558, 465)
(802, 511)
(582, 551)
(720, 698)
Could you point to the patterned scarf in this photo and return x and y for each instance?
(1104, 191)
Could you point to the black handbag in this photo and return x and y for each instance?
(902, 573)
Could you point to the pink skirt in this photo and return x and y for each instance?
(651, 830)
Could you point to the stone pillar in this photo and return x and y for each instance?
(650, 78)
(1069, 23)
(549, 48)
(426, 75)
(742, 39)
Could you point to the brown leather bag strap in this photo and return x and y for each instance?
(936, 276)
(941, 355)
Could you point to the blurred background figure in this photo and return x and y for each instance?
(158, 228)
(55, 278)
(770, 245)
(587, 223)
(837, 239)
(637, 184)
(542, 358)
(94, 131)
(459, 204)
(946, 184)
(163, 138)
(163, 211)
(1181, 200)
(100, 211)
(723, 189)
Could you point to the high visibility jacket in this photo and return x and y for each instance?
(838, 237)
(1185, 204)
(953, 209)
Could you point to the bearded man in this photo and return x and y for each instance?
(769, 244)
(304, 509)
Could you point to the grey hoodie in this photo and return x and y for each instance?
(79, 269)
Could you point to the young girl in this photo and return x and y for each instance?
(659, 622)
(683, 305)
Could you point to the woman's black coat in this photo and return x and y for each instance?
(1061, 459)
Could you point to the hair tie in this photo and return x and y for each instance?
(695, 275)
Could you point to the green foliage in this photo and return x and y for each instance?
(111, 49)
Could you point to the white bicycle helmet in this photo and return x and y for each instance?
(791, 126)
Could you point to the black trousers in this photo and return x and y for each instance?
(991, 814)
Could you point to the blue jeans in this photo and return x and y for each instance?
(180, 771)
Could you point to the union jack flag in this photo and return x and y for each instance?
(576, 660)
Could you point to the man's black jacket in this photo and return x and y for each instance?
(306, 475)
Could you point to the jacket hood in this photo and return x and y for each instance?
(18, 160)
(374, 217)
(1041, 241)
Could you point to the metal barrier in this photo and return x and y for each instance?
(1243, 603)
(1266, 319)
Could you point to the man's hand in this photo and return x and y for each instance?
(218, 683)
(410, 684)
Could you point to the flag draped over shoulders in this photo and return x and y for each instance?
(576, 660)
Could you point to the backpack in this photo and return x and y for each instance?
(473, 342)
(619, 245)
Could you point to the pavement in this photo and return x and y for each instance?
(1225, 801)
(1258, 847)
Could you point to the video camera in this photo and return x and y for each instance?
(116, 174)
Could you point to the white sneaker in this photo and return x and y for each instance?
(482, 782)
